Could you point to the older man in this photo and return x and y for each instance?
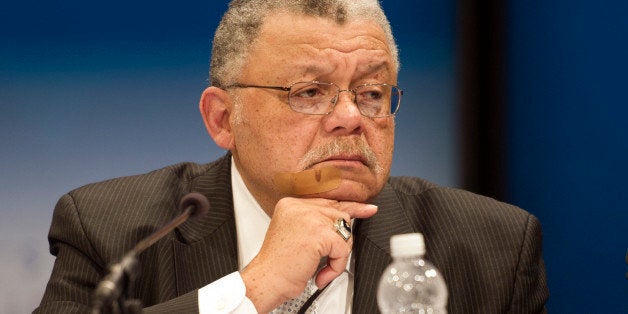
(303, 97)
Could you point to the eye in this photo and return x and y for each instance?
(310, 91)
(371, 93)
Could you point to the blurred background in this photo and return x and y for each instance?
(520, 101)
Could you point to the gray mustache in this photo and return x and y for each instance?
(341, 146)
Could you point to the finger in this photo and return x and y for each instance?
(332, 213)
(353, 209)
(357, 210)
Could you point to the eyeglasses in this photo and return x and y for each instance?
(318, 98)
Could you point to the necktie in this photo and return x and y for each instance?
(294, 305)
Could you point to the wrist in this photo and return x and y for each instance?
(261, 289)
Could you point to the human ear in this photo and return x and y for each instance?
(215, 107)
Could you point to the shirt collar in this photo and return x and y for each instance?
(251, 220)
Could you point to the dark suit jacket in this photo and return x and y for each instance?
(489, 252)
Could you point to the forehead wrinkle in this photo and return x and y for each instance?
(309, 69)
(359, 43)
(376, 57)
(322, 68)
(365, 64)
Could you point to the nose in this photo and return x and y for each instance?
(345, 116)
(353, 98)
(340, 91)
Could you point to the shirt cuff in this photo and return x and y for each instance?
(225, 295)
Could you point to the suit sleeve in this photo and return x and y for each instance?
(78, 268)
(530, 291)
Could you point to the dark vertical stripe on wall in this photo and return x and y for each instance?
(481, 96)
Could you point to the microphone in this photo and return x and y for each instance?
(121, 274)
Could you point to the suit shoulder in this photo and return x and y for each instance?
(420, 193)
(173, 178)
(125, 209)
(411, 185)
(151, 198)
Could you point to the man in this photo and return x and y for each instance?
(303, 97)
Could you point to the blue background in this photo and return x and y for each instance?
(568, 144)
(90, 91)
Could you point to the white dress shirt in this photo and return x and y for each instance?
(228, 294)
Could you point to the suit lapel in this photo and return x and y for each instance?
(372, 248)
(206, 247)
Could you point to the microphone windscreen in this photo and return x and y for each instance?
(199, 202)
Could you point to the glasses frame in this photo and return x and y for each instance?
(334, 100)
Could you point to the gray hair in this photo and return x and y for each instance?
(243, 20)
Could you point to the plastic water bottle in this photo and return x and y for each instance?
(411, 284)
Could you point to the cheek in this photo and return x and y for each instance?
(276, 137)
(384, 140)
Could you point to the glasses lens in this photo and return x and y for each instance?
(373, 100)
(312, 97)
(377, 100)
(395, 99)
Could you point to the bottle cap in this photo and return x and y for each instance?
(409, 244)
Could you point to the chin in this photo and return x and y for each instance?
(352, 191)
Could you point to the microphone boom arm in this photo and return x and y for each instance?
(123, 273)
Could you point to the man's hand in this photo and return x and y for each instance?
(301, 232)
